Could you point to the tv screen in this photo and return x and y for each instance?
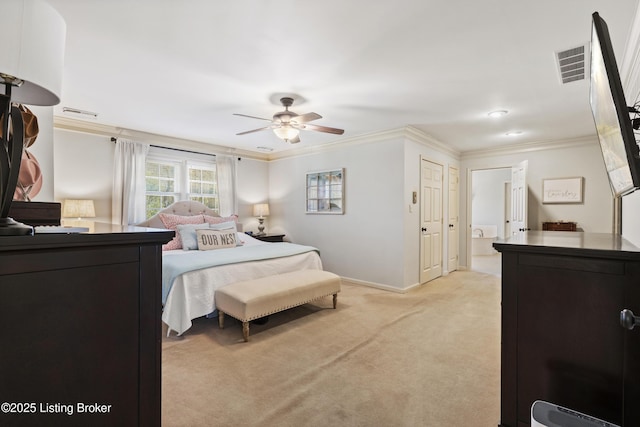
(611, 114)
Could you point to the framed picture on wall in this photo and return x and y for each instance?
(325, 192)
(562, 190)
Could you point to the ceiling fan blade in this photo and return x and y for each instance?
(324, 129)
(304, 118)
(251, 117)
(254, 130)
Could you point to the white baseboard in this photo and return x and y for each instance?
(374, 285)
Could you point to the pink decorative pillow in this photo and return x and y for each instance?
(171, 222)
(219, 219)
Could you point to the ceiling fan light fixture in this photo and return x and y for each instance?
(497, 114)
(286, 132)
(287, 124)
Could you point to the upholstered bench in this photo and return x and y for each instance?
(252, 299)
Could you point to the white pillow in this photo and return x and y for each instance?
(223, 226)
(187, 233)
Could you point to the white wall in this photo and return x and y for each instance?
(488, 198)
(84, 169)
(365, 243)
(377, 240)
(253, 187)
(631, 218)
(578, 158)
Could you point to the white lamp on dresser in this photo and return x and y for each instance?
(75, 212)
(31, 65)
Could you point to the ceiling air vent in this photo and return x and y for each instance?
(571, 64)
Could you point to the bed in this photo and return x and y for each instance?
(191, 276)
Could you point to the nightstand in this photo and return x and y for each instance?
(270, 237)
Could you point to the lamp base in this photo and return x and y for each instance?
(261, 227)
(9, 227)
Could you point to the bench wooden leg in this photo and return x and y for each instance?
(245, 331)
(220, 319)
(335, 300)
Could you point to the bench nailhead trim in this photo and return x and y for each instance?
(277, 310)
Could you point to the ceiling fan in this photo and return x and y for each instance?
(287, 124)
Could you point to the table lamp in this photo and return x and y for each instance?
(31, 64)
(261, 210)
(79, 210)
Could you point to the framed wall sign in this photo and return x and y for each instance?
(562, 190)
(325, 192)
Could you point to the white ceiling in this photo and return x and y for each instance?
(182, 68)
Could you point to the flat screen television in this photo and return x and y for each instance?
(611, 114)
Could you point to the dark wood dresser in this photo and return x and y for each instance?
(80, 315)
(562, 339)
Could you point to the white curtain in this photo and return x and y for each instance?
(226, 174)
(128, 203)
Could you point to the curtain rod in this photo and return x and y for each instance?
(114, 139)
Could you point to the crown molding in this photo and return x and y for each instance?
(340, 143)
(407, 132)
(529, 147)
(75, 125)
(421, 137)
(404, 133)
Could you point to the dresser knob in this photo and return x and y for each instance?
(628, 320)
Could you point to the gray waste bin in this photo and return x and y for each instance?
(545, 414)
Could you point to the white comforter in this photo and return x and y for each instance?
(192, 293)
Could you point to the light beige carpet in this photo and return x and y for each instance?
(430, 357)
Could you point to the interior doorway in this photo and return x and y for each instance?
(490, 204)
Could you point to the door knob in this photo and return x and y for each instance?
(424, 230)
(628, 320)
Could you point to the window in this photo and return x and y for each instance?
(161, 185)
(203, 186)
(171, 177)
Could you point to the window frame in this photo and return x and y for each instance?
(182, 163)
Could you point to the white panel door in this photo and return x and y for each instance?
(431, 221)
(454, 213)
(507, 209)
(519, 196)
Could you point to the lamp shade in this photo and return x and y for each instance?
(286, 132)
(261, 209)
(32, 50)
(78, 209)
